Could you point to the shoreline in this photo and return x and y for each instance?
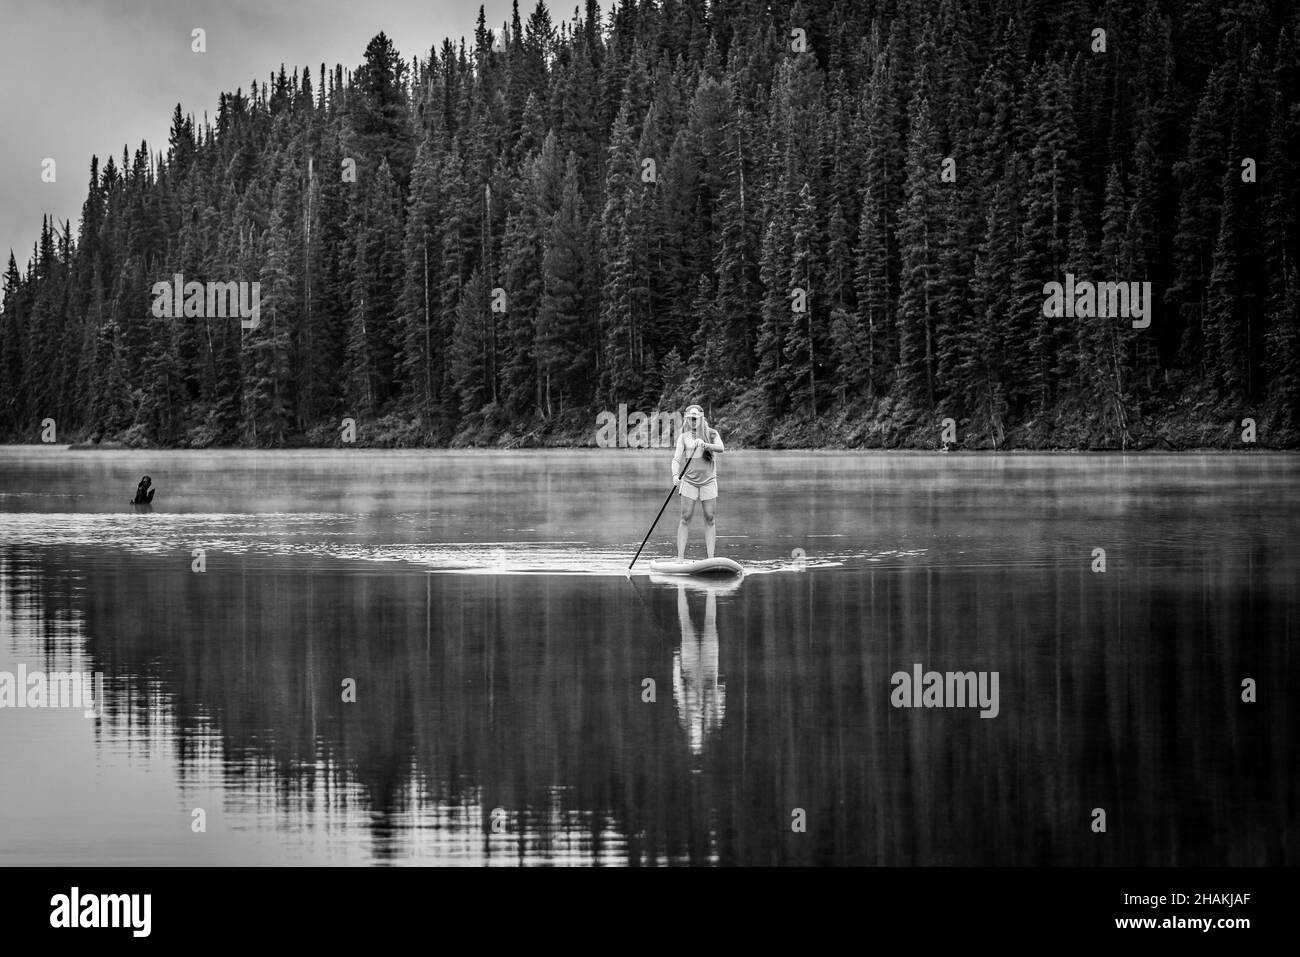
(1187, 421)
(1255, 449)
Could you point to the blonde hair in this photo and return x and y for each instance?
(704, 431)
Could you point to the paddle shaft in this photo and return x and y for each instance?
(663, 506)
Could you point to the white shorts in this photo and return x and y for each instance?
(701, 493)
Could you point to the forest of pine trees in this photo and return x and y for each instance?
(549, 220)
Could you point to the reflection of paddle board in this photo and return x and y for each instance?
(717, 585)
(704, 566)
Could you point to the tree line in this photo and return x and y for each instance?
(792, 210)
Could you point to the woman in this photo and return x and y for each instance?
(699, 445)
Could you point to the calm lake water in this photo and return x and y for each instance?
(501, 660)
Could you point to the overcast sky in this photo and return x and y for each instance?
(83, 77)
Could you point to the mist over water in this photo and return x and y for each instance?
(500, 658)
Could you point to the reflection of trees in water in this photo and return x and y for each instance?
(700, 698)
(523, 693)
(472, 694)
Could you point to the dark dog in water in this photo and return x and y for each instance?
(143, 493)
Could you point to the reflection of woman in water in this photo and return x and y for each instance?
(143, 493)
(700, 444)
(701, 699)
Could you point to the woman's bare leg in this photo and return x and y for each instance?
(710, 530)
(684, 527)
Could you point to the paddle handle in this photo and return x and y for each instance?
(662, 507)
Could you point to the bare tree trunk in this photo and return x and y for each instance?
(812, 367)
(1121, 415)
(428, 365)
(305, 343)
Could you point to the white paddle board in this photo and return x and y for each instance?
(703, 566)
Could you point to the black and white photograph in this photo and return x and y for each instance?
(858, 438)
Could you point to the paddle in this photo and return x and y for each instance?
(663, 506)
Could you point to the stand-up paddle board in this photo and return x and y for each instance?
(704, 566)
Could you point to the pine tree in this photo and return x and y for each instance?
(804, 341)
(622, 351)
(1280, 231)
(565, 326)
(988, 367)
(1200, 178)
(919, 233)
(374, 332)
(1113, 368)
(13, 400)
(469, 345)
(522, 251)
(735, 257)
(776, 316)
(268, 387)
(420, 299)
(878, 266)
(1045, 221)
(379, 112)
